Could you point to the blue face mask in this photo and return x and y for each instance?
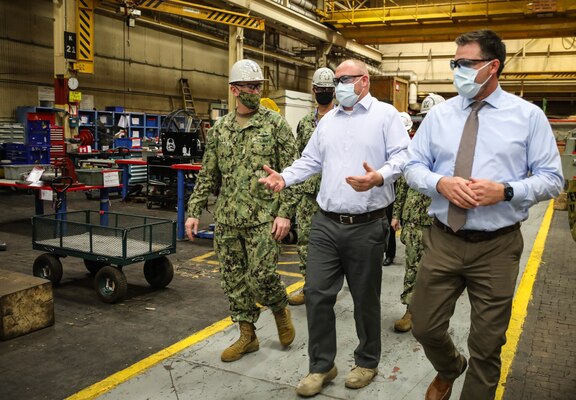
(345, 94)
(465, 81)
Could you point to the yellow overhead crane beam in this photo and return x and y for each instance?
(85, 21)
(444, 20)
(195, 11)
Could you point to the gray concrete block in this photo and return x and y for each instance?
(26, 304)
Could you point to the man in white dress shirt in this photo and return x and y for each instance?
(360, 149)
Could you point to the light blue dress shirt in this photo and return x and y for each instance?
(515, 145)
(342, 141)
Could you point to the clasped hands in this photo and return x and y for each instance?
(470, 193)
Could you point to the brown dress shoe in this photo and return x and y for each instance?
(441, 388)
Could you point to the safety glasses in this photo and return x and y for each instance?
(465, 62)
(345, 79)
(251, 86)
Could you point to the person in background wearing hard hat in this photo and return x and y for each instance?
(349, 232)
(323, 89)
(250, 220)
(411, 214)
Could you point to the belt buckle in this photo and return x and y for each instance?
(346, 219)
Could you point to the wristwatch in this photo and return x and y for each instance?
(508, 192)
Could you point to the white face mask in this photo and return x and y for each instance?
(465, 81)
(345, 94)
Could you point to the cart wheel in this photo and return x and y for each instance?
(49, 267)
(110, 284)
(149, 204)
(94, 266)
(158, 272)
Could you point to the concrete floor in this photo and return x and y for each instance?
(166, 344)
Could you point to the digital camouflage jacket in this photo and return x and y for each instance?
(233, 161)
(411, 205)
(305, 129)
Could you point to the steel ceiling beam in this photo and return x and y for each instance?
(526, 28)
(444, 21)
(195, 11)
(304, 27)
(442, 11)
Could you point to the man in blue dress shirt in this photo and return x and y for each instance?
(360, 149)
(515, 165)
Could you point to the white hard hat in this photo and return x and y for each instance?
(323, 77)
(430, 101)
(245, 71)
(406, 120)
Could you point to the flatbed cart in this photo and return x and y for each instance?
(107, 242)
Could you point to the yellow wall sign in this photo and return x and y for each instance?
(74, 97)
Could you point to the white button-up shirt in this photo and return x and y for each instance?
(343, 140)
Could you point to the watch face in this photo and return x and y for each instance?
(508, 193)
(73, 83)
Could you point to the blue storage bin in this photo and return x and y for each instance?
(40, 126)
(152, 121)
(114, 108)
(38, 139)
(37, 133)
(20, 153)
(123, 142)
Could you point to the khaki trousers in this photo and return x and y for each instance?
(488, 270)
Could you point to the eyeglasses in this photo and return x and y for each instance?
(346, 79)
(323, 89)
(465, 62)
(251, 86)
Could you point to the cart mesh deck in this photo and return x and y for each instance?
(111, 237)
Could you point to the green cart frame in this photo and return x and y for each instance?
(107, 242)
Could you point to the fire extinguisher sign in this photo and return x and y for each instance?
(70, 45)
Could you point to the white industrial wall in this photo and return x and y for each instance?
(429, 62)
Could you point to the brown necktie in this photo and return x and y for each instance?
(464, 160)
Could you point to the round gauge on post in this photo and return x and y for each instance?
(72, 83)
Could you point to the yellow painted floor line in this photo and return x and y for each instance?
(286, 273)
(204, 256)
(116, 379)
(521, 300)
(99, 388)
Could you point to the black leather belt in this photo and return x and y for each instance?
(351, 219)
(476, 236)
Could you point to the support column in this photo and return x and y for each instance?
(235, 53)
(64, 21)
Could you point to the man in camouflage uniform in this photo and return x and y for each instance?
(323, 89)
(250, 220)
(411, 213)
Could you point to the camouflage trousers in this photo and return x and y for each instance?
(411, 236)
(304, 213)
(248, 259)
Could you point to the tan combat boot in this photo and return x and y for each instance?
(247, 343)
(297, 299)
(405, 323)
(286, 332)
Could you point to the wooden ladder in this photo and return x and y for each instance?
(187, 100)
